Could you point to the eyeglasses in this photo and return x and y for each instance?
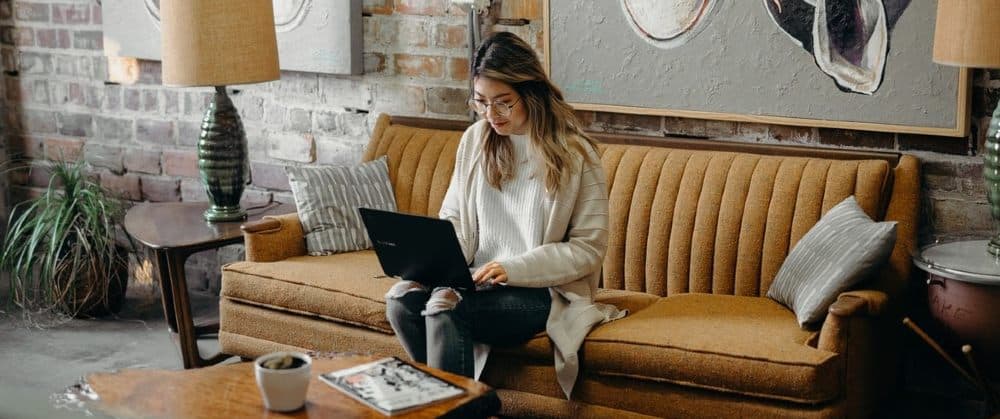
(501, 108)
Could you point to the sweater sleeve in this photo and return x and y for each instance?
(583, 250)
(456, 196)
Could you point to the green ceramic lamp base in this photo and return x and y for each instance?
(991, 174)
(222, 159)
(220, 214)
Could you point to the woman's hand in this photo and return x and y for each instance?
(490, 273)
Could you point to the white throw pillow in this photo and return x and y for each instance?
(328, 199)
(843, 248)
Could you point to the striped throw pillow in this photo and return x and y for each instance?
(843, 248)
(328, 199)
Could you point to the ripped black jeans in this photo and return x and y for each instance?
(439, 327)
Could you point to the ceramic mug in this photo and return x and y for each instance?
(283, 390)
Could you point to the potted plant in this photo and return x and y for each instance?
(62, 251)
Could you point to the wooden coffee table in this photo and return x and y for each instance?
(230, 391)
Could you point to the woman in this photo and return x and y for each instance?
(529, 203)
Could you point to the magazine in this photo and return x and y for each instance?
(391, 385)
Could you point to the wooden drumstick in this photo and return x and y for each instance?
(990, 397)
(920, 332)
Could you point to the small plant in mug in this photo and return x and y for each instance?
(285, 362)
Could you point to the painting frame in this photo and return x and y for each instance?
(959, 128)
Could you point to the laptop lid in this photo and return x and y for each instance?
(417, 248)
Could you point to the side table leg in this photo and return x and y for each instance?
(187, 333)
(166, 287)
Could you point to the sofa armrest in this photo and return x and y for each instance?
(850, 306)
(274, 238)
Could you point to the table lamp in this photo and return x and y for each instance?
(966, 34)
(218, 43)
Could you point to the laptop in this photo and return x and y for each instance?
(417, 248)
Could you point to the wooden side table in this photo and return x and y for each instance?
(174, 231)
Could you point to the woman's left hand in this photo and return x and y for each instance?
(490, 273)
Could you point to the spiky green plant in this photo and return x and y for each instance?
(61, 250)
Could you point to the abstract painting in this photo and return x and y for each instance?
(319, 36)
(857, 64)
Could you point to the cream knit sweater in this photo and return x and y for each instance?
(569, 260)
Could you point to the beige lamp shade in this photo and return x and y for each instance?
(218, 42)
(967, 33)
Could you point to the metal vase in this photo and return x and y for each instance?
(222, 158)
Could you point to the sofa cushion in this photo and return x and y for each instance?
(345, 287)
(745, 345)
(328, 199)
(838, 252)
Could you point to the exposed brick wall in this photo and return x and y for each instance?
(140, 138)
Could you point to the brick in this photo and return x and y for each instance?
(99, 69)
(338, 152)
(399, 99)
(126, 186)
(95, 97)
(292, 147)
(113, 97)
(31, 12)
(326, 121)
(447, 100)
(151, 101)
(275, 114)
(63, 149)
(140, 160)
(67, 93)
(110, 128)
(299, 120)
(451, 36)
(379, 32)
(7, 14)
(24, 37)
(720, 129)
(132, 98)
(96, 14)
(960, 216)
(851, 138)
(373, 62)
(39, 122)
(195, 103)
(251, 108)
(34, 63)
(796, 135)
(72, 14)
(154, 131)
(413, 33)
(104, 156)
(458, 69)
(192, 190)
(346, 93)
(157, 189)
(150, 72)
(52, 38)
(684, 127)
(630, 123)
(188, 133)
(269, 176)
(947, 145)
(8, 60)
(183, 163)
(75, 124)
(91, 40)
(40, 176)
(377, 7)
(422, 7)
(34, 91)
(27, 147)
(298, 86)
(253, 198)
(419, 65)
(171, 102)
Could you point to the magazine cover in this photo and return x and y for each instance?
(391, 385)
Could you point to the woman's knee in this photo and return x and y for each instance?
(406, 298)
(442, 300)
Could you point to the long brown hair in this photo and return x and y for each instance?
(554, 128)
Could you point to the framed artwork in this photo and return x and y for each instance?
(858, 64)
(317, 36)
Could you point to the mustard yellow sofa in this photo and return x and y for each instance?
(697, 236)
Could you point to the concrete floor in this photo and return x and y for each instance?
(36, 364)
